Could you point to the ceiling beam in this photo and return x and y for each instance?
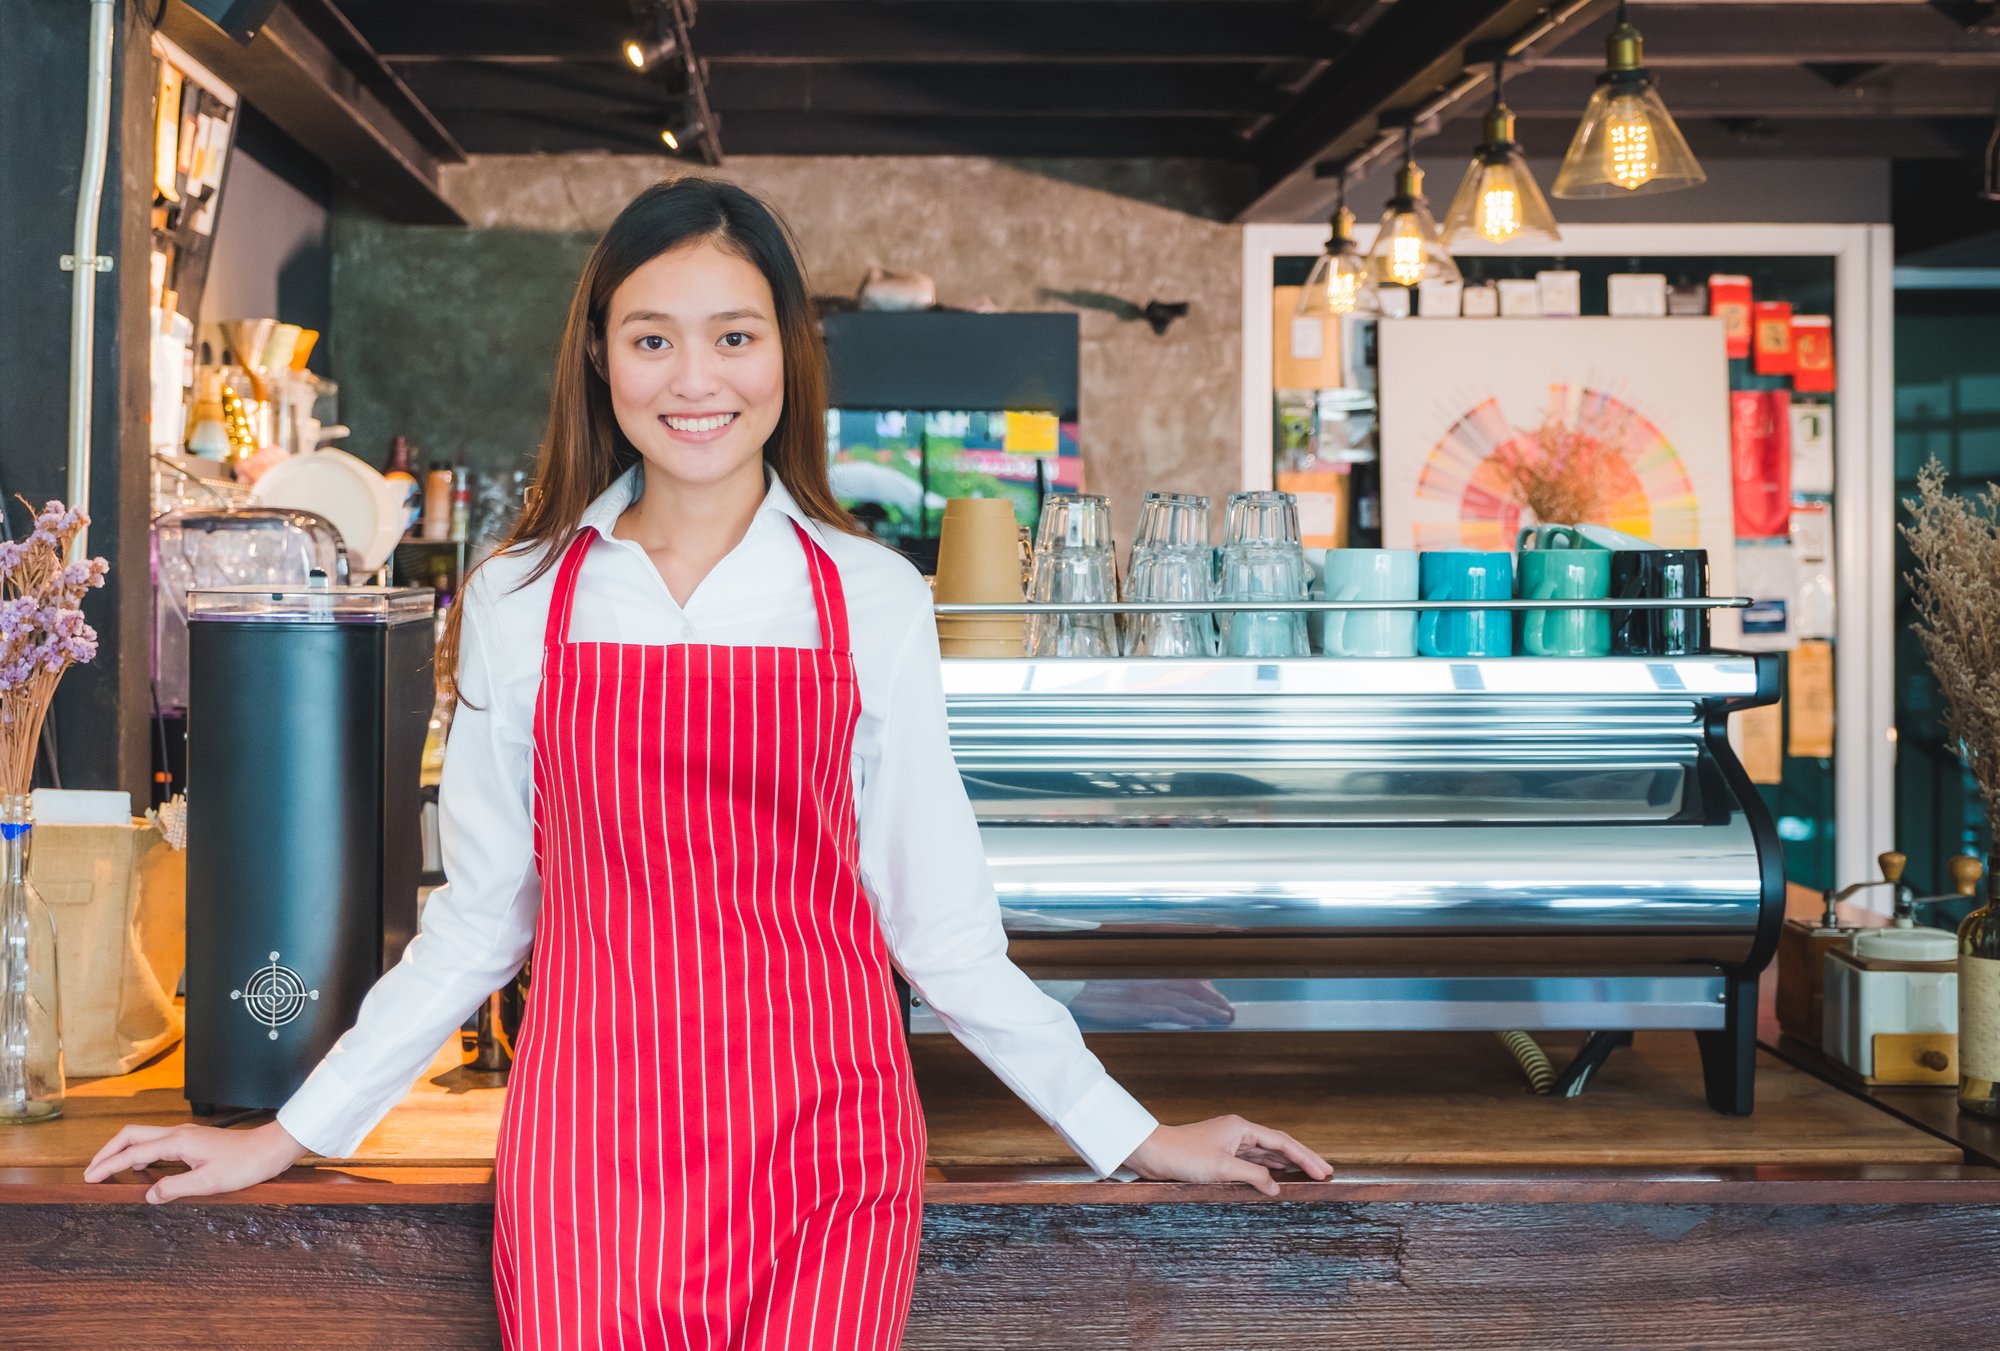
(1708, 36)
(1785, 92)
(1405, 57)
(331, 106)
(844, 31)
(493, 131)
(1546, 138)
(1062, 90)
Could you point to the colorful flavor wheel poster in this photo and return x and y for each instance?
(1465, 499)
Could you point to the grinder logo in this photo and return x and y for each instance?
(274, 995)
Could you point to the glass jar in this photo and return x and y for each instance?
(1979, 1004)
(31, 1064)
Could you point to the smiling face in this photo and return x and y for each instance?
(695, 366)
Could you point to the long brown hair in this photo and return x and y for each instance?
(585, 451)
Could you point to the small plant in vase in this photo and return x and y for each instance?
(1955, 542)
(1562, 471)
(42, 634)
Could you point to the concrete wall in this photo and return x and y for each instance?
(446, 334)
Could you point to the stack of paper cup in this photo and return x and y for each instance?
(979, 564)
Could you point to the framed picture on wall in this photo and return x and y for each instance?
(1626, 419)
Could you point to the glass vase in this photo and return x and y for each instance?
(31, 1063)
(1979, 1003)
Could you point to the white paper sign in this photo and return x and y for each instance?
(1812, 448)
(1308, 338)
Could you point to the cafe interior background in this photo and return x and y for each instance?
(443, 203)
(315, 272)
(1059, 248)
(1175, 156)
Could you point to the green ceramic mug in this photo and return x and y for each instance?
(1566, 574)
(1551, 537)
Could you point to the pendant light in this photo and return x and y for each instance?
(1627, 142)
(1498, 200)
(1339, 280)
(1407, 247)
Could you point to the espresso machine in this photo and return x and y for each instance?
(307, 710)
(1383, 845)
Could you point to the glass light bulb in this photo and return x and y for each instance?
(635, 53)
(1406, 251)
(1499, 214)
(1337, 286)
(1631, 153)
(1498, 201)
(1341, 289)
(1627, 143)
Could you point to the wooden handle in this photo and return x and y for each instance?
(1892, 865)
(1965, 873)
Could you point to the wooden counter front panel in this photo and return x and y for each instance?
(1272, 1277)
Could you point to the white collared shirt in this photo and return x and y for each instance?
(921, 861)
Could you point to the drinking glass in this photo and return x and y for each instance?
(1173, 521)
(1262, 517)
(1171, 561)
(1262, 560)
(1074, 564)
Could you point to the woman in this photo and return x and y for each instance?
(700, 765)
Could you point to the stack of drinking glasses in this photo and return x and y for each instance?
(1171, 561)
(1262, 560)
(1074, 564)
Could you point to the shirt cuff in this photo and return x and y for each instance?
(1107, 1126)
(328, 1117)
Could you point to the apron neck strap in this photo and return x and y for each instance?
(564, 600)
(828, 598)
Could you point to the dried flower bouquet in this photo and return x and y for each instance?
(42, 632)
(1956, 584)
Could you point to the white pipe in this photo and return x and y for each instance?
(83, 265)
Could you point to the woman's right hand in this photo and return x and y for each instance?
(217, 1160)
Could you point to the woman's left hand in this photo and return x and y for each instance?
(1224, 1149)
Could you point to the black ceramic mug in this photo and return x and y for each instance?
(1659, 574)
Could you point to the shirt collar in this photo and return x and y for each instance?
(603, 513)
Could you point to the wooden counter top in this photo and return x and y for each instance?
(1426, 1116)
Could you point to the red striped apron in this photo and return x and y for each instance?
(711, 1136)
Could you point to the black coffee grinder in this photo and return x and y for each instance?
(307, 712)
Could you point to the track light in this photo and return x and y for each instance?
(1498, 199)
(675, 137)
(645, 54)
(1627, 142)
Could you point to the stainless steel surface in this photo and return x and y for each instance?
(1386, 1004)
(1148, 607)
(1568, 690)
(1557, 816)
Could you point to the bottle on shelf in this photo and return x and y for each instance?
(1979, 997)
(461, 505)
(402, 476)
(437, 502)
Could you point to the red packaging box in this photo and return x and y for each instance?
(1760, 447)
(1812, 353)
(1729, 299)
(1772, 320)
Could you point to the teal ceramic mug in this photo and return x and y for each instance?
(1465, 575)
(1370, 574)
(1566, 574)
